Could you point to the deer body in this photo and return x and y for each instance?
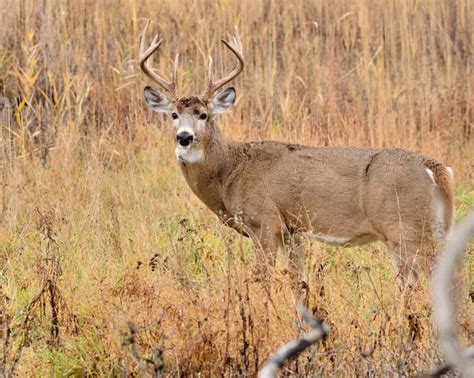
(272, 191)
(338, 195)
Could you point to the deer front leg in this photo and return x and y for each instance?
(411, 259)
(264, 229)
(296, 257)
(267, 240)
(266, 243)
(233, 222)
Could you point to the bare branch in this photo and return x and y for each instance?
(444, 307)
(295, 347)
(131, 342)
(155, 362)
(445, 368)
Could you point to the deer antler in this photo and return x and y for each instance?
(169, 86)
(236, 47)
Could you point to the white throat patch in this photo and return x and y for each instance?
(189, 154)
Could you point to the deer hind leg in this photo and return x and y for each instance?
(416, 252)
(411, 260)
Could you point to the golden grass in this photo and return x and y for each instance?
(92, 199)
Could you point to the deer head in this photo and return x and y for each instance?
(192, 115)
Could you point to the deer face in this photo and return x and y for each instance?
(190, 117)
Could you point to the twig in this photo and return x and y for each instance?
(444, 307)
(295, 347)
(156, 360)
(445, 368)
(130, 341)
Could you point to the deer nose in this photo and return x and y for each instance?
(184, 138)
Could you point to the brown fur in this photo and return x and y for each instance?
(270, 190)
(186, 102)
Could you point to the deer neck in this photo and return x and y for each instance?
(206, 178)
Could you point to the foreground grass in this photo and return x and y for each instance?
(132, 244)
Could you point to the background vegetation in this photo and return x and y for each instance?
(104, 249)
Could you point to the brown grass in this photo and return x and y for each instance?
(93, 203)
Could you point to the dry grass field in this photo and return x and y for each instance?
(103, 247)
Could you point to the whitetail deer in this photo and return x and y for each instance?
(271, 191)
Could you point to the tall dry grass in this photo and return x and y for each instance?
(98, 228)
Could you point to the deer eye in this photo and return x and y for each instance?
(203, 116)
(174, 115)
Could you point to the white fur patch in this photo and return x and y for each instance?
(189, 154)
(329, 239)
(185, 129)
(450, 170)
(430, 173)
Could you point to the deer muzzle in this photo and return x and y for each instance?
(184, 138)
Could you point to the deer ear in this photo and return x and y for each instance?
(223, 101)
(157, 100)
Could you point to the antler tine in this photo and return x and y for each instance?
(236, 47)
(169, 86)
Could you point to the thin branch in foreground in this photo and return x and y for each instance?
(445, 368)
(444, 307)
(295, 347)
(155, 362)
(131, 342)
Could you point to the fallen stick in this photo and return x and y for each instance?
(295, 347)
